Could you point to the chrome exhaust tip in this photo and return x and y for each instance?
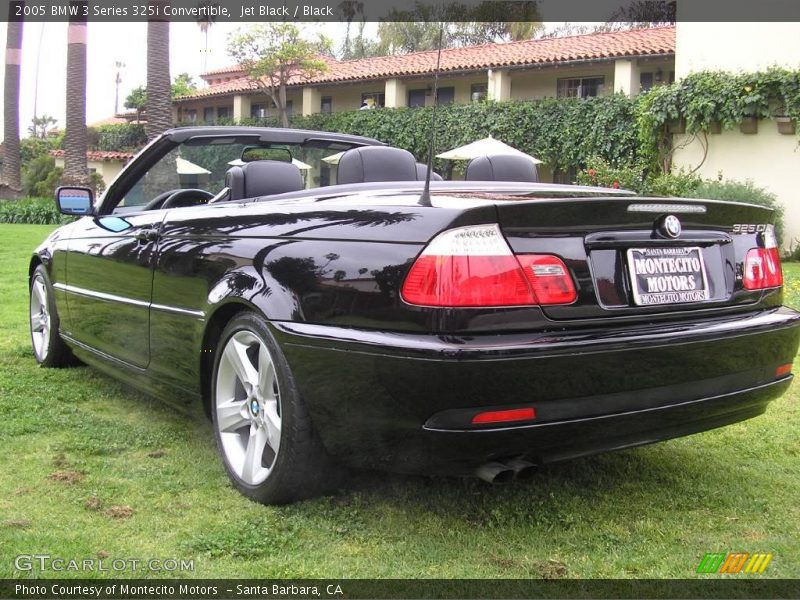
(523, 469)
(495, 472)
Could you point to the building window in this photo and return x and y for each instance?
(326, 104)
(190, 116)
(645, 81)
(208, 114)
(373, 99)
(258, 111)
(416, 98)
(224, 112)
(580, 87)
(289, 108)
(479, 91)
(445, 95)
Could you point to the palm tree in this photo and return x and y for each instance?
(11, 156)
(158, 106)
(75, 139)
(205, 22)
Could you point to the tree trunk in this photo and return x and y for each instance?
(75, 139)
(11, 156)
(282, 106)
(159, 101)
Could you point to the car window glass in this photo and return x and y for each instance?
(202, 164)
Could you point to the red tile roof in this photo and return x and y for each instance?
(222, 71)
(596, 46)
(120, 119)
(99, 155)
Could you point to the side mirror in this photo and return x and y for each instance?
(77, 201)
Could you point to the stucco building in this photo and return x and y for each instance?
(586, 65)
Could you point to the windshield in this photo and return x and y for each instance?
(201, 163)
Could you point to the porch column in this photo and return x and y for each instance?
(626, 76)
(499, 85)
(311, 101)
(396, 93)
(241, 108)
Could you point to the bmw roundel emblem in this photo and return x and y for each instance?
(671, 226)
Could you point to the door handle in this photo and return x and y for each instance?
(146, 235)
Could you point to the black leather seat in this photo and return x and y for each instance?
(505, 167)
(263, 178)
(422, 171)
(376, 163)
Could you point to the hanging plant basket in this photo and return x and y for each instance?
(749, 125)
(786, 126)
(678, 126)
(715, 127)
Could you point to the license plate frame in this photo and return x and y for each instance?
(669, 297)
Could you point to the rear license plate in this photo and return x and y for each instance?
(667, 275)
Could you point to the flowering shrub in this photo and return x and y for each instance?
(599, 172)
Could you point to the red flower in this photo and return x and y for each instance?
(592, 172)
(615, 185)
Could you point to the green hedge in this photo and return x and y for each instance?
(31, 211)
(561, 132)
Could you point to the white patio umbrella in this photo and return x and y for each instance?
(485, 147)
(333, 159)
(185, 167)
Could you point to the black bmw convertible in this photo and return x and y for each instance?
(326, 305)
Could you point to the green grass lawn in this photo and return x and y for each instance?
(89, 468)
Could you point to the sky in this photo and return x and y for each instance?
(44, 49)
(46, 43)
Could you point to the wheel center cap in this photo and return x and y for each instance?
(254, 408)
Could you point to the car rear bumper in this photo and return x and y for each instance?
(404, 402)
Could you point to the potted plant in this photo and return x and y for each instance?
(754, 105)
(749, 125)
(786, 126)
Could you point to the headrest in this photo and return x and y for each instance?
(422, 171)
(501, 167)
(376, 163)
(263, 178)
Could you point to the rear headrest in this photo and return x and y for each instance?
(422, 171)
(376, 163)
(501, 167)
(263, 178)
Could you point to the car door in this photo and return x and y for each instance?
(109, 279)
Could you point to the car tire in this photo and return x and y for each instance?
(48, 347)
(264, 434)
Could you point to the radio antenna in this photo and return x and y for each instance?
(425, 198)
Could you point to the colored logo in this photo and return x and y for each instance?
(734, 562)
(671, 226)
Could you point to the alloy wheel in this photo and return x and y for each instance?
(40, 318)
(248, 407)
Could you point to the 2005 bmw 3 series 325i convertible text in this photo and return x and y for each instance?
(324, 309)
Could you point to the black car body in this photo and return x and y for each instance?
(412, 386)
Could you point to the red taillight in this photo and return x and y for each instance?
(783, 370)
(762, 269)
(474, 267)
(550, 281)
(504, 416)
(466, 281)
(762, 266)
